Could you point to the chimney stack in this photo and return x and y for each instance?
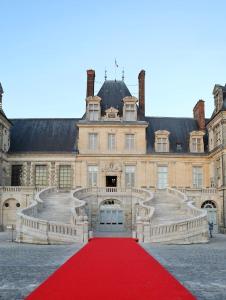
(141, 80)
(199, 114)
(90, 83)
(1, 93)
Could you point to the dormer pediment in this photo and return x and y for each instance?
(111, 114)
(93, 99)
(130, 99)
(162, 132)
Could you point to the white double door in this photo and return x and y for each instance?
(111, 219)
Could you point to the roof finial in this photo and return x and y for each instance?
(123, 74)
(105, 75)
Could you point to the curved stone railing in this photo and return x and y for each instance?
(193, 229)
(31, 229)
(144, 210)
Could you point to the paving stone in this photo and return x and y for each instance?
(24, 266)
(199, 267)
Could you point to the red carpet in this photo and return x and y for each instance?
(111, 269)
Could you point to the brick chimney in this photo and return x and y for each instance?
(141, 80)
(199, 114)
(90, 83)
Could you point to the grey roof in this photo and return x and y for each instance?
(179, 129)
(59, 135)
(43, 135)
(112, 92)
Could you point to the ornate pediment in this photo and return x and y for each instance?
(111, 114)
(112, 167)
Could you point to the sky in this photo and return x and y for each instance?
(47, 46)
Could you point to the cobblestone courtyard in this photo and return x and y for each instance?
(201, 268)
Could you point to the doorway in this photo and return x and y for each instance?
(111, 181)
(111, 216)
(211, 209)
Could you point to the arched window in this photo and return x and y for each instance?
(208, 204)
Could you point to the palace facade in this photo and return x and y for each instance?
(115, 144)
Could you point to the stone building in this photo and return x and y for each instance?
(116, 145)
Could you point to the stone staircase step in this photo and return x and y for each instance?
(57, 207)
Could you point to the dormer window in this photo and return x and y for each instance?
(93, 108)
(162, 141)
(130, 109)
(130, 112)
(196, 141)
(93, 112)
(218, 100)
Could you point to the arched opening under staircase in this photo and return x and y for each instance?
(111, 216)
(211, 208)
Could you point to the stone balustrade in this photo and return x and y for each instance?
(31, 229)
(191, 230)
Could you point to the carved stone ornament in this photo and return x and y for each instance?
(112, 167)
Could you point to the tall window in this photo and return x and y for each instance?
(93, 112)
(196, 144)
(41, 175)
(130, 142)
(93, 141)
(129, 176)
(92, 176)
(16, 175)
(65, 176)
(130, 111)
(162, 144)
(111, 142)
(217, 135)
(162, 177)
(197, 177)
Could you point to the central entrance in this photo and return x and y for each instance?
(111, 216)
(111, 181)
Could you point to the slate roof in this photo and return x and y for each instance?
(43, 135)
(112, 92)
(59, 135)
(179, 129)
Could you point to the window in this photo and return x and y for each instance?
(217, 135)
(93, 112)
(162, 144)
(130, 142)
(93, 141)
(162, 177)
(197, 177)
(111, 142)
(16, 177)
(162, 141)
(129, 176)
(92, 176)
(130, 111)
(218, 171)
(41, 175)
(196, 144)
(65, 176)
